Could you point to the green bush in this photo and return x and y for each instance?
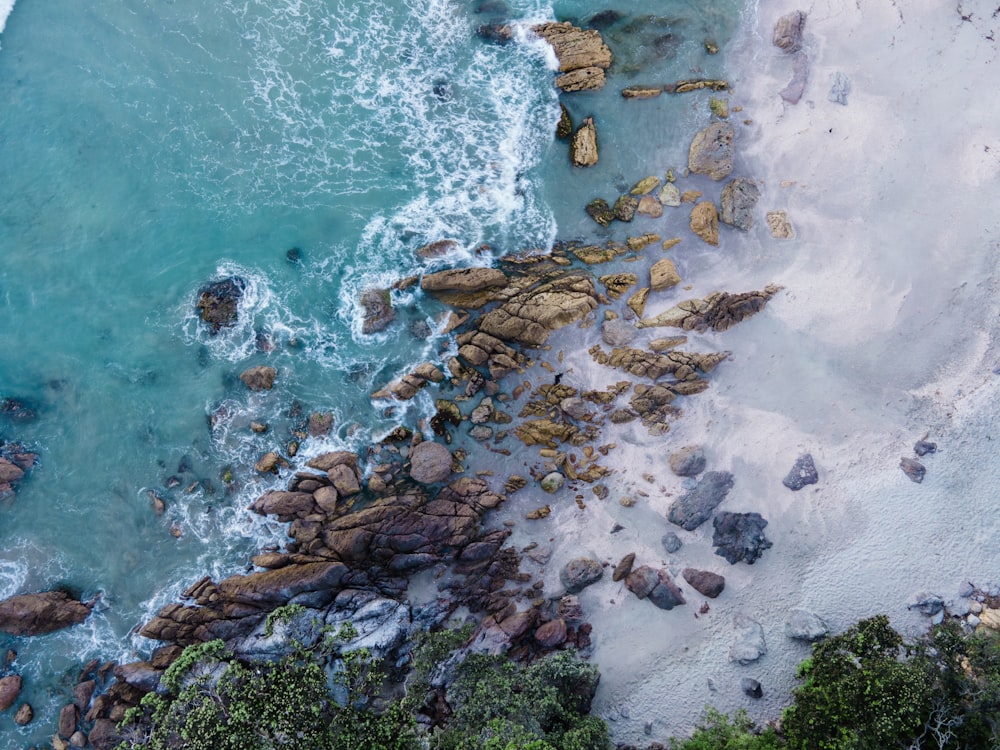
(718, 732)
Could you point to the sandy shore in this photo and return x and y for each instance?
(885, 332)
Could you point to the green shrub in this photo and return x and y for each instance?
(720, 732)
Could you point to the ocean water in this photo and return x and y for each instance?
(150, 147)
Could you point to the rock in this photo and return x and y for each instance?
(624, 567)
(618, 283)
(430, 463)
(569, 609)
(719, 311)
(705, 222)
(913, 469)
(780, 226)
(24, 715)
(688, 461)
(577, 574)
(551, 634)
(45, 612)
(618, 332)
(465, 287)
(583, 147)
(748, 644)
(378, 311)
(645, 185)
(638, 243)
(625, 207)
(792, 93)
(751, 687)
(695, 507)
(104, 735)
(671, 542)
(740, 536)
(582, 54)
(530, 316)
(218, 302)
(670, 195)
(552, 482)
(801, 474)
(406, 387)
(577, 408)
(637, 302)
(788, 31)
(839, 89)
(438, 249)
(711, 151)
(663, 275)
(649, 206)
(10, 688)
(804, 625)
(656, 585)
(268, 463)
(927, 604)
(923, 447)
(259, 378)
(704, 582)
(68, 717)
(9, 472)
(641, 92)
(79, 739)
(736, 205)
(599, 210)
(564, 128)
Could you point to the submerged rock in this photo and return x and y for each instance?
(738, 199)
(792, 93)
(693, 508)
(218, 302)
(711, 151)
(719, 311)
(802, 473)
(740, 536)
(260, 378)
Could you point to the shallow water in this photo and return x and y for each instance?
(147, 149)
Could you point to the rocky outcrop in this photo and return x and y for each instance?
(45, 612)
(617, 284)
(801, 474)
(683, 366)
(740, 536)
(583, 147)
(218, 302)
(736, 205)
(583, 56)
(694, 507)
(788, 31)
(711, 151)
(378, 311)
(406, 387)
(719, 311)
(464, 287)
(705, 222)
(10, 688)
(259, 378)
(430, 463)
(529, 317)
(656, 585)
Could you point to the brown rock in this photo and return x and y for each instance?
(705, 222)
(583, 147)
(641, 92)
(780, 226)
(577, 49)
(10, 688)
(711, 151)
(378, 310)
(268, 463)
(24, 715)
(320, 423)
(260, 378)
(551, 634)
(624, 567)
(430, 463)
(9, 472)
(704, 582)
(45, 612)
(649, 206)
(637, 302)
(663, 275)
(438, 249)
(68, 717)
(788, 31)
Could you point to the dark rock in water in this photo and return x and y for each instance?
(24, 715)
(18, 410)
(711, 151)
(913, 469)
(293, 255)
(736, 205)
(788, 31)
(604, 19)
(45, 612)
(10, 688)
(689, 461)
(705, 582)
(802, 473)
(260, 378)
(656, 585)
(792, 93)
(378, 310)
(68, 718)
(564, 128)
(625, 207)
(693, 508)
(442, 90)
(496, 32)
(218, 302)
(740, 536)
(599, 210)
(923, 447)
(751, 687)
(671, 542)
(577, 574)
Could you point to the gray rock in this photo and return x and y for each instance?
(804, 625)
(481, 433)
(689, 461)
(552, 482)
(740, 536)
(430, 462)
(788, 31)
(693, 508)
(972, 621)
(576, 408)
(927, 603)
(736, 205)
(748, 644)
(913, 469)
(618, 332)
(671, 542)
(577, 574)
(967, 589)
(711, 151)
(923, 447)
(959, 608)
(839, 89)
(801, 474)
(751, 687)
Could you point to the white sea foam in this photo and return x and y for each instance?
(6, 6)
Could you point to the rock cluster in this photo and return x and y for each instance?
(583, 56)
(719, 311)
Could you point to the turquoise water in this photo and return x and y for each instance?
(147, 148)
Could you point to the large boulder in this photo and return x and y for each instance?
(656, 585)
(788, 31)
(738, 199)
(10, 688)
(718, 311)
(582, 54)
(260, 378)
(748, 644)
(583, 147)
(218, 302)
(530, 316)
(577, 574)
(740, 536)
(711, 151)
(378, 311)
(688, 461)
(430, 463)
(45, 612)
(693, 508)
